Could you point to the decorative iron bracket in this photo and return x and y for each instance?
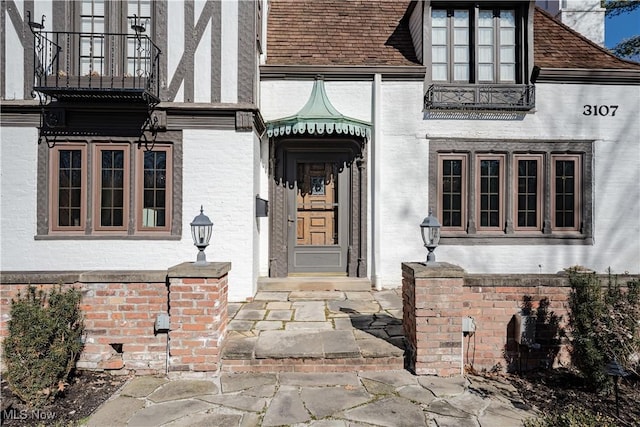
(48, 118)
(155, 122)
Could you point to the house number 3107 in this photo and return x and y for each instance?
(600, 110)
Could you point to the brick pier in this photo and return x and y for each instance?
(198, 313)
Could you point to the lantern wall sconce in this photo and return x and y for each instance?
(430, 228)
(201, 229)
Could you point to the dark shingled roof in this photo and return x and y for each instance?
(376, 32)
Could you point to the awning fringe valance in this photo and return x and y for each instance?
(317, 128)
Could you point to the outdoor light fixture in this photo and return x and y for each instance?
(616, 370)
(35, 26)
(430, 228)
(137, 26)
(201, 232)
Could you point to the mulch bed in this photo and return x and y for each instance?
(87, 390)
(556, 390)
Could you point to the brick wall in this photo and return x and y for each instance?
(119, 319)
(120, 310)
(437, 298)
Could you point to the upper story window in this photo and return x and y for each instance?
(476, 45)
(138, 12)
(96, 19)
(92, 21)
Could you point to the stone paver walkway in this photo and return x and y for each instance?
(316, 325)
(391, 398)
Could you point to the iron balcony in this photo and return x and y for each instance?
(502, 97)
(75, 66)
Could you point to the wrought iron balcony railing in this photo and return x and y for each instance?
(480, 97)
(93, 66)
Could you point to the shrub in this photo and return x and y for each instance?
(43, 343)
(604, 325)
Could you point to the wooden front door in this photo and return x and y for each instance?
(317, 217)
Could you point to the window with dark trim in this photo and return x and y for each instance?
(453, 180)
(528, 192)
(490, 192)
(112, 187)
(476, 44)
(68, 188)
(132, 189)
(565, 192)
(93, 23)
(479, 191)
(154, 184)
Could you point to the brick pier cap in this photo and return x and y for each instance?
(212, 270)
(420, 270)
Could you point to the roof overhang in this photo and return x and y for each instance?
(319, 117)
(586, 76)
(343, 72)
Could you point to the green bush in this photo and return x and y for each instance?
(604, 325)
(572, 418)
(43, 343)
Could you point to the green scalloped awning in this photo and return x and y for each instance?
(318, 117)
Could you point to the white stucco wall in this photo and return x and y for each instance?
(262, 174)
(285, 98)
(219, 172)
(229, 54)
(558, 117)
(175, 44)
(202, 70)
(401, 173)
(13, 69)
(220, 178)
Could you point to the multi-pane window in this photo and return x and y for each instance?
(480, 199)
(109, 201)
(103, 54)
(490, 192)
(138, 54)
(69, 188)
(113, 187)
(496, 45)
(528, 176)
(92, 39)
(155, 189)
(453, 188)
(474, 45)
(566, 197)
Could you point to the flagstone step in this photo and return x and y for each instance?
(315, 331)
(315, 283)
(310, 351)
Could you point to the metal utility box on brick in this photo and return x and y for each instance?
(162, 323)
